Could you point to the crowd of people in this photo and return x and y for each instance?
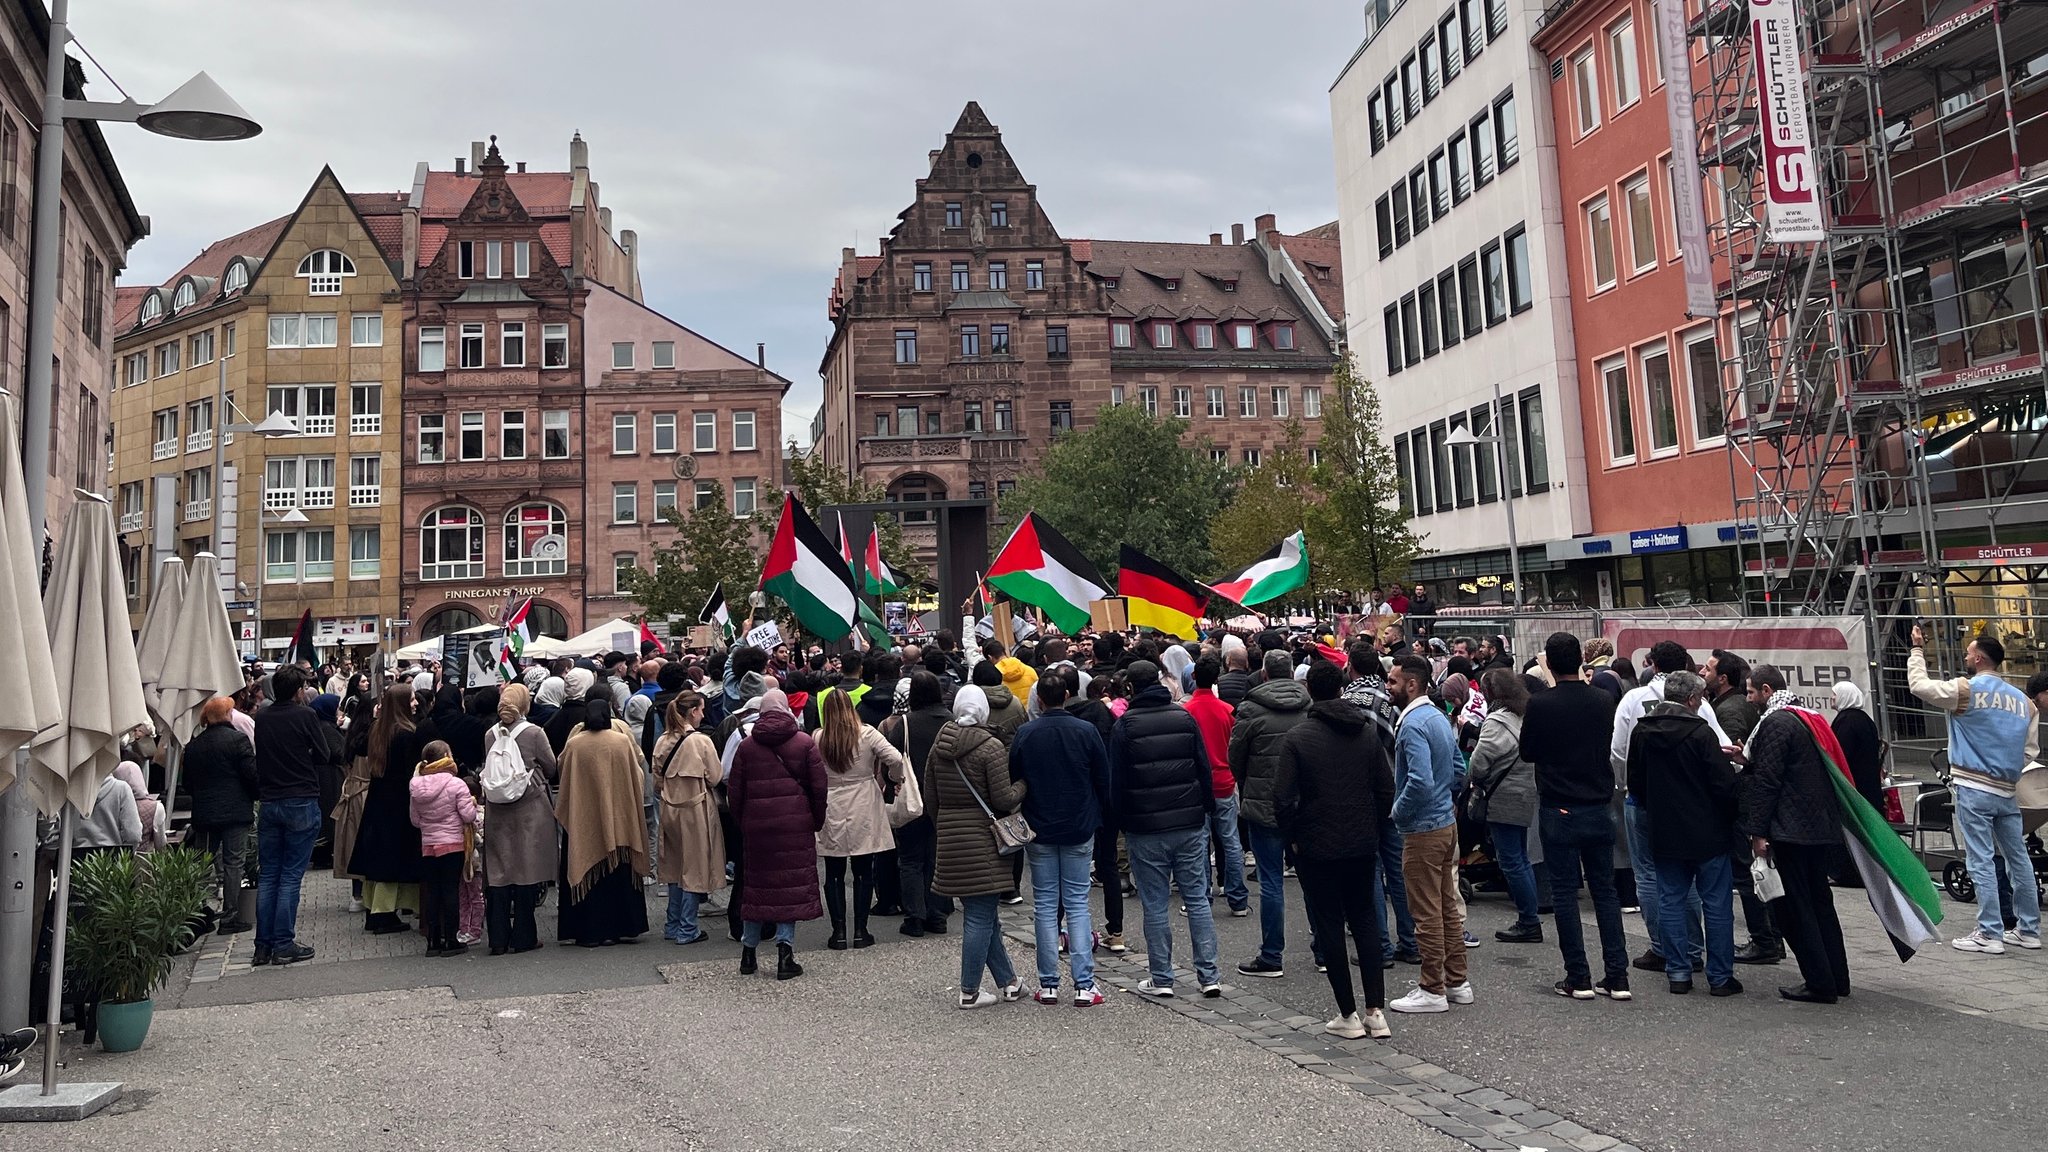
(1179, 773)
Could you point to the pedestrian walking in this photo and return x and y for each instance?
(1686, 787)
(859, 766)
(1163, 796)
(599, 809)
(1426, 771)
(1064, 767)
(1504, 795)
(971, 785)
(1790, 816)
(778, 794)
(522, 841)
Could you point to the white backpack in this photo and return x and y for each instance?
(505, 775)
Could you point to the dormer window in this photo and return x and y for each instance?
(186, 296)
(152, 306)
(1109, 282)
(237, 277)
(1283, 336)
(1162, 334)
(1172, 285)
(1241, 337)
(323, 271)
(1205, 335)
(1230, 285)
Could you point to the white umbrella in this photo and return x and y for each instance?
(97, 675)
(424, 650)
(153, 643)
(28, 685)
(202, 663)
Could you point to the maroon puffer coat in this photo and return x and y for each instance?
(777, 790)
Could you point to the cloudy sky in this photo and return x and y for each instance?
(746, 143)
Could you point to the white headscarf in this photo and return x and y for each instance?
(553, 691)
(1847, 695)
(1176, 661)
(970, 706)
(579, 682)
(423, 682)
(1231, 643)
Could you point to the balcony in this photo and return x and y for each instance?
(199, 441)
(131, 521)
(366, 424)
(164, 450)
(941, 449)
(365, 495)
(197, 509)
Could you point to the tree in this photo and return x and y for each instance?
(1359, 535)
(1272, 502)
(711, 545)
(1128, 479)
(819, 485)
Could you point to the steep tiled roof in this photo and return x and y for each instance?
(1201, 271)
(864, 266)
(1316, 252)
(543, 194)
(254, 243)
(127, 301)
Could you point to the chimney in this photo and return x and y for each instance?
(629, 242)
(1237, 233)
(579, 153)
(933, 157)
(1216, 238)
(522, 166)
(476, 154)
(1264, 226)
(760, 354)
(461, 165)
(604, 220)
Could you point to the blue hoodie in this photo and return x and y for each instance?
(1426, 769)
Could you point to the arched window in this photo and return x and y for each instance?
(153, 305)
(546, 620)
(186, 296)
(452, 544)
(449, 620)
(237, 277)
(323, 271)
(536, 541)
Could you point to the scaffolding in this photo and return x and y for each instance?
(1885, 386)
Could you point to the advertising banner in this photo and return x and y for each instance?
(1674, 50)
(1814, 652)
(1791, 177)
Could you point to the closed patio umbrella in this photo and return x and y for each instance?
(153, 643)
(28, 684)
(202, 662)
(101, 684)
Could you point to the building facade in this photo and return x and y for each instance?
(301, 317)
(978, 333)
(1454, 286)
(97, 224)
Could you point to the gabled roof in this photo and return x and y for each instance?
(127, 302)
(1319, 256)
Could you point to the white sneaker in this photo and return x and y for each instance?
(1421, 999)
(1048, 996)
(1156, 991)
(1212, 990)
(1980, 941)
(2031, 941)
(1346, 1027)
(1376, 1025)
(1013, 991)
(355, 905)
(982, 998)
(1459, 993)
(1089, 997)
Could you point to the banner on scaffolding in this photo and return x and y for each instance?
(1814, 652)
(1791, 177)
(1674, 51)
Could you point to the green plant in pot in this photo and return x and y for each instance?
(130, 916)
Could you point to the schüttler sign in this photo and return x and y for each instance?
(1791, 179)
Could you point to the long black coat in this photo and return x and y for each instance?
(1865, 750)
(1333, 791)
(1678, 773)
(387, 848)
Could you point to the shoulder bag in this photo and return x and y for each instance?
(1013, 832)
(908, 802)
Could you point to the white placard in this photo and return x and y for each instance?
(764, 636)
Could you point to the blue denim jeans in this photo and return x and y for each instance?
(682, 915)
(750, 933)
(1579, 840)
(285, 831)
(981, 943)
(1390, 889)
(1991, 826)
(1059, 877)
(1223, 830)
(1159, 862)
(1715, 881)
(1511, 852)
(1642, 858)
(1270, 853)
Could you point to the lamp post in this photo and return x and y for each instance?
(1464, 437)
(198, 110)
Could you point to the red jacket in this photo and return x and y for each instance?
(1214, 718)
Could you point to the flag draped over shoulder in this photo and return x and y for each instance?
(1157, 597)
(1899, 889)
(1043, 569)
(806, 571)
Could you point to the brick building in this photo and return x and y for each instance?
(978, 333)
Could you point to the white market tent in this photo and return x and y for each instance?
(602, 638)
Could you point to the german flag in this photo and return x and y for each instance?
(1158, 596)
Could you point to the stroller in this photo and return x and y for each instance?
(1933, 819)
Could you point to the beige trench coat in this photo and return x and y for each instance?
(692, 841)
(856, 817)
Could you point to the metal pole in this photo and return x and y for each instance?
(17, 813)
(61, 915)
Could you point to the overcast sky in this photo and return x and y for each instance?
(746, 143)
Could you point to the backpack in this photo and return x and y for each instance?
(505, 775)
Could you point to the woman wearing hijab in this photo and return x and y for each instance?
(1179, 670)
(387, 845)
(1860, 743)
(146, 808)
(355, 790)
(569, 717)
(778, 797)
(969, 768)
(332, 767)
(522, 843)
(599, 809)
(691, 860)
(113, 822)
(859, 764)
(547, 699)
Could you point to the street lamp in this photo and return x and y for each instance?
(197, 111)
(1464, 437)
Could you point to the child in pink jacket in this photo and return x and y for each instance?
(447, 817)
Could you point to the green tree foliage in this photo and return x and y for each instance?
(711, 545)
(1359, 536)
(1130, 479)
(1272, 502)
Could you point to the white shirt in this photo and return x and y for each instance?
(1631, 710)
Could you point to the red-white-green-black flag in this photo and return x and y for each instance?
(809, 574)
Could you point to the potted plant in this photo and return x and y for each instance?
(130, 915)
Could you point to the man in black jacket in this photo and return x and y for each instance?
(1333, 794)
(1236, 682)
(1789, 815)
(1163, 797)
(917, 842)
(1269, 712)
(290, 754)
(1684, 783)
(1565, 734)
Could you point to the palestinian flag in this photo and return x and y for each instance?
(715, 613)
(881, 580)
(647, 636)
(871, 625)
(846, 546)
(1893, 878)
(515, 642)
(1039, 567)
(302, 642)
(1283, 569)
(1157, 596)
(804, 570)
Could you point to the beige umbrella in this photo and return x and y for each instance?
(28, 685)
(202, 662)
(97, 675)
(153, 644)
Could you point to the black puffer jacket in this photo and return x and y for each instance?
(1233, 686)
(1334, 791)
(1678, 773)
(220, 773)
(1268, 713)
(1786, 793)
(1157, 766)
